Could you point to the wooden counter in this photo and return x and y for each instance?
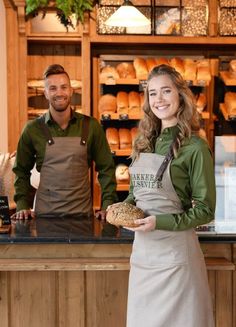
(65, 282)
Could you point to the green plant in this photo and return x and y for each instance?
(65, 8)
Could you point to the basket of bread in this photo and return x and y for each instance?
(124, 214)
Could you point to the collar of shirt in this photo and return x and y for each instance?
(49, 120)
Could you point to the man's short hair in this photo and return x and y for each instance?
(54, 69)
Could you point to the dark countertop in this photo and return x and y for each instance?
(67, 230)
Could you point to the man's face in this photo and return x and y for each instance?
(58, 92)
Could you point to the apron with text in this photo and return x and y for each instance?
(168, 284)
(64, 188)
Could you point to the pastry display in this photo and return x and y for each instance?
(124, 214)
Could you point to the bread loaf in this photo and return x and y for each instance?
(133, 132)
(126, 70)
(232, 68)
(162, 61)
(124, 214)
(178, 65)
(107, 103)
(141, 95)
(122, 174)
(190, 70)
(134, 101)
(112, 136)
(122, 102)
(108, 72)
(151, 63)
(203, 71)
(230, 103)
(201, 102)
(125, 138)
(141, 69)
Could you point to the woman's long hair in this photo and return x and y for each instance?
(150, 125)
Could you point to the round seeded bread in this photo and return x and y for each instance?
(124, 214)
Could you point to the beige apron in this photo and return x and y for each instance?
(64, 188)
(168, 284)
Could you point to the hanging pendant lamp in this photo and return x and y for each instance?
(127, 15)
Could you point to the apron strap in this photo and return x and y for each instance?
(85, 130)
(45, 130)
(169, 156)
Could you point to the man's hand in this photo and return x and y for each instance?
(147, 224)
(23, 214)
(101, 215)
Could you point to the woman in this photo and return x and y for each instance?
(172, 181)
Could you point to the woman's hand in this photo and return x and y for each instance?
(147, 224)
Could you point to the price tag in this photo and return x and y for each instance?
(4, 210)
(123, 117)
(106, 117)
(142, 85)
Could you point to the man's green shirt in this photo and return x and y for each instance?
(31, 149)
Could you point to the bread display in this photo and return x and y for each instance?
(125, 138)
(122, 174)
(126, 70)
(124, 214)
(122, 102)
(107, 103)
(112, 136)
(230, 103)
(190, 70)
(108, 72)
(141, 69)
(151, 63)
(177, 64)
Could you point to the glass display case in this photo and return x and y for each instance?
(225, 174)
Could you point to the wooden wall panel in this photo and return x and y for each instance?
(40, 55)
(224, 299)
(71, 306)
(32, 299)
(106, 298)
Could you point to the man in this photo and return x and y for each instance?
(63, 144)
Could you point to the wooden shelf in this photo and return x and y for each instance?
(120, 152)
(122, 187)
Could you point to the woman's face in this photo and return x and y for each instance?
(164, 100)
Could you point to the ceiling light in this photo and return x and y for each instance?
(127, 15)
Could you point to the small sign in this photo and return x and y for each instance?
(4, 210)
(142, 85)
(106, 117)
(123, 117)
